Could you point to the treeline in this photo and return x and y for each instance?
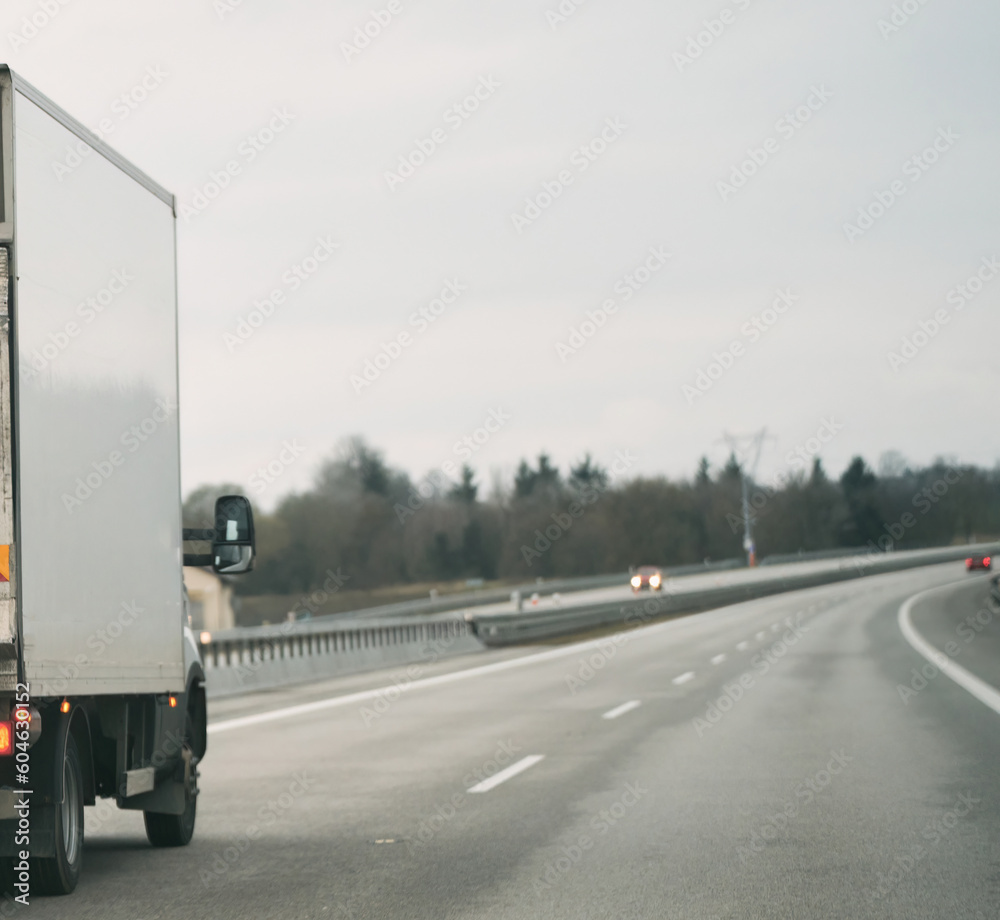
(371, 523)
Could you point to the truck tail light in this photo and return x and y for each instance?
(6, 739)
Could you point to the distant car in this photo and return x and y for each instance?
(978, 561)
(648, 576)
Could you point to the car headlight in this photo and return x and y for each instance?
(636, 581)
(654, 581)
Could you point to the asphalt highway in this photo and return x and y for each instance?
(790, 757)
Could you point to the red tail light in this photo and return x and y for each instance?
(6, 739)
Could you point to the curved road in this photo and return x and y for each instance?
(788, 757)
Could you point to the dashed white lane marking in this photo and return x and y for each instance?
(718, 659)
(621, 710)
(981, 690)
(761, 635)
(684, 678)
(775, 627)
(742, 646)
(525, 763)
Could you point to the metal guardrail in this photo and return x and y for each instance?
(499, 629)
(258, 644)
(241, 660)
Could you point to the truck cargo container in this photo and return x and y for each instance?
(101, 683)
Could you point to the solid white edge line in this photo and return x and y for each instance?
(981, 690)
(684, 678)
(718, 659)
(523, 764)
(621, 710)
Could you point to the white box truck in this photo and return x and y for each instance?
(101, 683)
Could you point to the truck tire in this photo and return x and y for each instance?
(60, 873)
(177, 830)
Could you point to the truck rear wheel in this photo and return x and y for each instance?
(60, 873)
(177, 830)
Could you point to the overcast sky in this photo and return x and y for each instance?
(632, 126)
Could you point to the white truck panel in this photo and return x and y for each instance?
(96, 426)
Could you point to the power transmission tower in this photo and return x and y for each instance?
(744, 448)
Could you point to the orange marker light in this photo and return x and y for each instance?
(173, 702)
(22, 715)
(6, 738)
(64, 706)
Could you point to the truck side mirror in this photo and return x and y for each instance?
(233, 543)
